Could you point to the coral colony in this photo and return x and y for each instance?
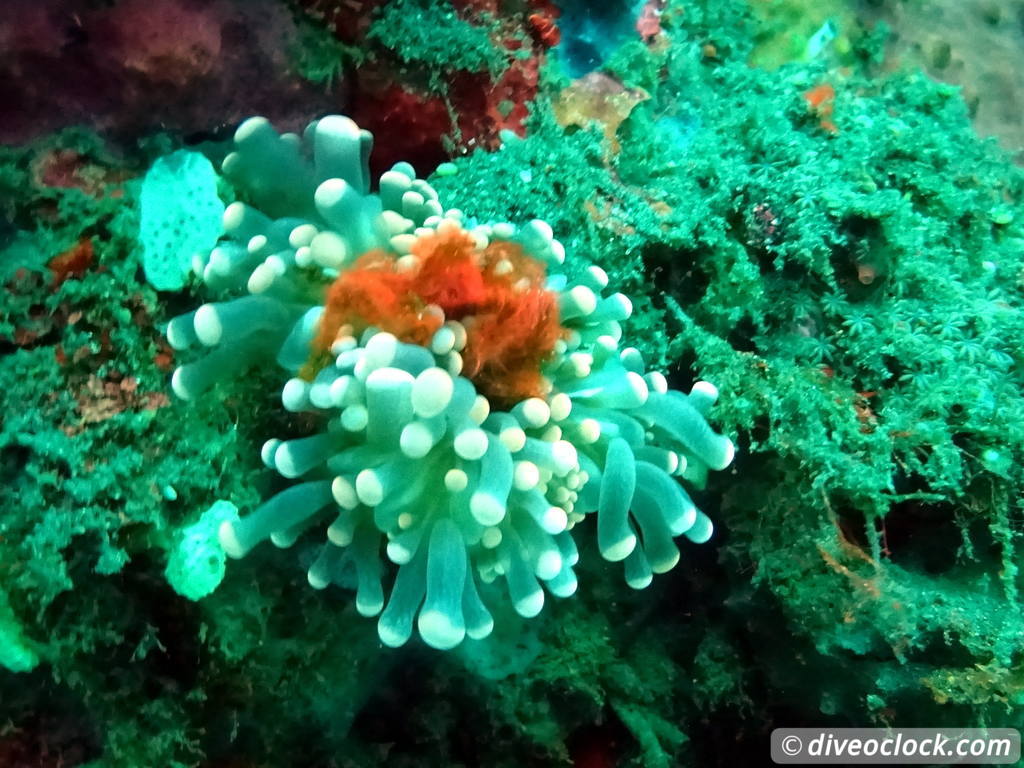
(476, 403)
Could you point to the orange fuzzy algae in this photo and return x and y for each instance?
(497, 293)
(514, 333)
(374, 293)
(821, 100)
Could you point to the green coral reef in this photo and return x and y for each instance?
(822, 236)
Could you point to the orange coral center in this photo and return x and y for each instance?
(498, 293)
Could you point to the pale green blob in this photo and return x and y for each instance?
(180, 216)
(16, 653)
(196, 565)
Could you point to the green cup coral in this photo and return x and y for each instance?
(476, 404)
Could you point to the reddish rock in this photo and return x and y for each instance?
(190, 66)
(406, 124)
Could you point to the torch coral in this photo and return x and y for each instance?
(476, 406)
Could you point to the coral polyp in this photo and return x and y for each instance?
(475, 402)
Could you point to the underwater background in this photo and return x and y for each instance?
(814, 209)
